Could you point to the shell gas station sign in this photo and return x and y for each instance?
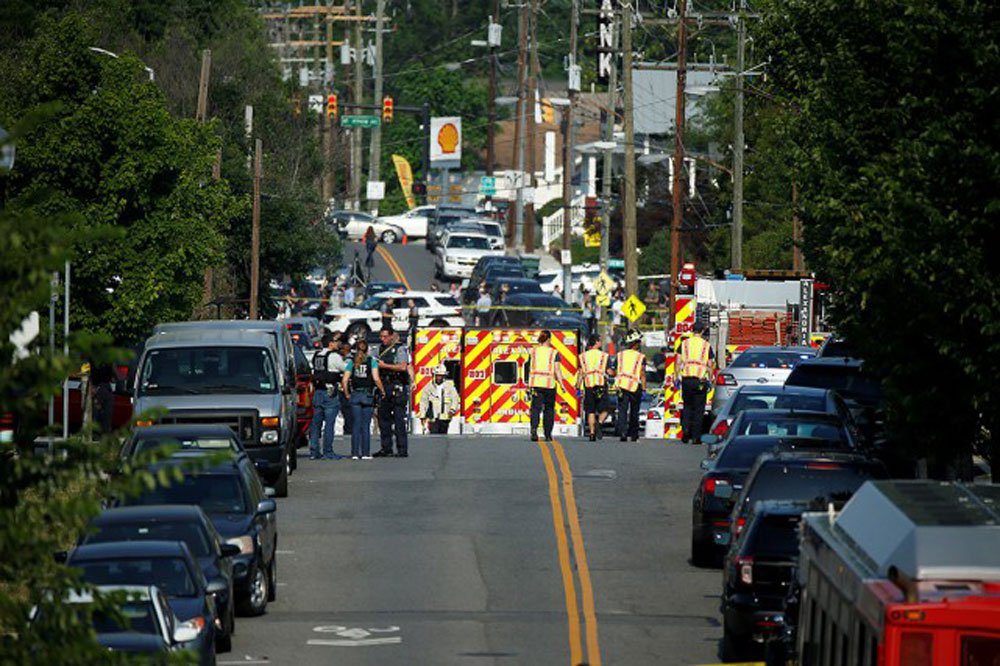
(446, 142)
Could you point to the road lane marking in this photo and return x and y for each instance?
(392, 640)
(394, 267)
(582, 570)
(354, 636)
(285, 552)
(562, 546)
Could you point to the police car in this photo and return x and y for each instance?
(433, 307)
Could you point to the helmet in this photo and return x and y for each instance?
(633, 336)
(440, 370)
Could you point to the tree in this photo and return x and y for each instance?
(892, 131)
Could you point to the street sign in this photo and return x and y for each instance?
(376, 190)
(316, 104)
(591, 238)
(603, 284)
(633, 308)
(366, 122)
(616, 263)
(488, 186)
(604, 300)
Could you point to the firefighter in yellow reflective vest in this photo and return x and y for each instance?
(545, 374)
(630, 380)
(694, 372)
(593, 377)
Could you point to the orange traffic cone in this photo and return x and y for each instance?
(404, 239)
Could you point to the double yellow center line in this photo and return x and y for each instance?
(397, 272)
(561, 521)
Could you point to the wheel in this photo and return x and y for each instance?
(733, 647)
(439, 323)
(272, 574)
(294, 462)
(389, 236)
(224, 643)
(281, 484)
(255, 601)
(701, 555)
(437, 273)
(359, 331)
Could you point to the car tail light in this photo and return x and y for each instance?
(822, 466)
(725, 379)
(722, 428)
(745, 566)
(740, 522)
(710, 484)
(652, 415)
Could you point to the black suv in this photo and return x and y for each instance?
(485, 265)
(756, 577)
(234, 499)
(812, 476)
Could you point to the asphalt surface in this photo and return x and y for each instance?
(452, 556)
(413, 259)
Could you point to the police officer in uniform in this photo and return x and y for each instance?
(545, 374)
(630, 380)
(328, 370)
(594, 380)
(393, 408)
(694, 372)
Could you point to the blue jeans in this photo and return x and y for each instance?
(361, 421)
(325, 410)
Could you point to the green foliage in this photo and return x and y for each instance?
(891, 129)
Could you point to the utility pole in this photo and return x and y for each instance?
(529, 210)
(675, 227)
(608, 166)
(376, 146)
(629, 224)
(327, 123)
(738, 141)
(522, 47)
(356, 134)
(572, 89)
(201, 114)
(491, 104)
(255, 233)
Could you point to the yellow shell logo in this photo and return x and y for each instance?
(448, 138)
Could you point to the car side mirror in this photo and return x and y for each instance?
(723, 491)
(230, 550)
(710, 439)
(266, 506)
(185, 634)
(216, 585)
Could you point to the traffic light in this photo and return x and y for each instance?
(387, 109)
(331, 106)
(419, 189)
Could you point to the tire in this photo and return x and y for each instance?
(281, 483)
(701, 555)
(272, 574)
(294, 459)
(223, 643)
(254, 603)
(733, 648)
(389, 237)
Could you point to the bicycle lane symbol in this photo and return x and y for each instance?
(356, 636)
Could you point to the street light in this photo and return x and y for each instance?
(149, 70)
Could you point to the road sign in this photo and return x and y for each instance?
(604, 300)
(488, 185)
(633, 308)
(616, 263)
(603, 284)
(366, 122)
(446, 142)
(376, 190)
(591, 238)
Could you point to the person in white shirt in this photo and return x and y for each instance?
(439, 402)
(483, 306)
(349, 296)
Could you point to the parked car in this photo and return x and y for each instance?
(232, 496)
(497, 283)
(757, 576)
(803, 475)
(770, 396)
(168, 565)
(304, 391)
(444, 213)
(434, 308)
(207, 437)
(801, 424)
(494, 231)
(459, 253)
(567, 321)
(240, 371)
(470, 291)
(413, 222)
(310, 325)
(353, 224)
(379, 286)
(177, 523)
(757, 365)
(836, 346)
(524, 308)
(151, 627)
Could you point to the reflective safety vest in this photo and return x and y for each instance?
(694, 358)
(543, 367)
(594, 365)
(629, 370)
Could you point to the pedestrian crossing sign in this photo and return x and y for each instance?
(633, 308)
(604, 300)
(603, 284)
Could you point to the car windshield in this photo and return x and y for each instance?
(524, 287)
(783, 426)
(138, 616)
(811, 403)
(847, 379)
(775, 536)
(783, 360)
(214, 493)
(492, 229)
(207, 370)
(468, 243)
(820, 481)
(190, 533)
(371, 303)
(742, 453)
(170, 574)
(145, 444)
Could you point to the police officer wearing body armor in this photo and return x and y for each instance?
(593, 377)
(393, 408)
(328, 370)
(630, 380)
(545, 374)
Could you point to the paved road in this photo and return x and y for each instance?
(412, 260)
(452, 556)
